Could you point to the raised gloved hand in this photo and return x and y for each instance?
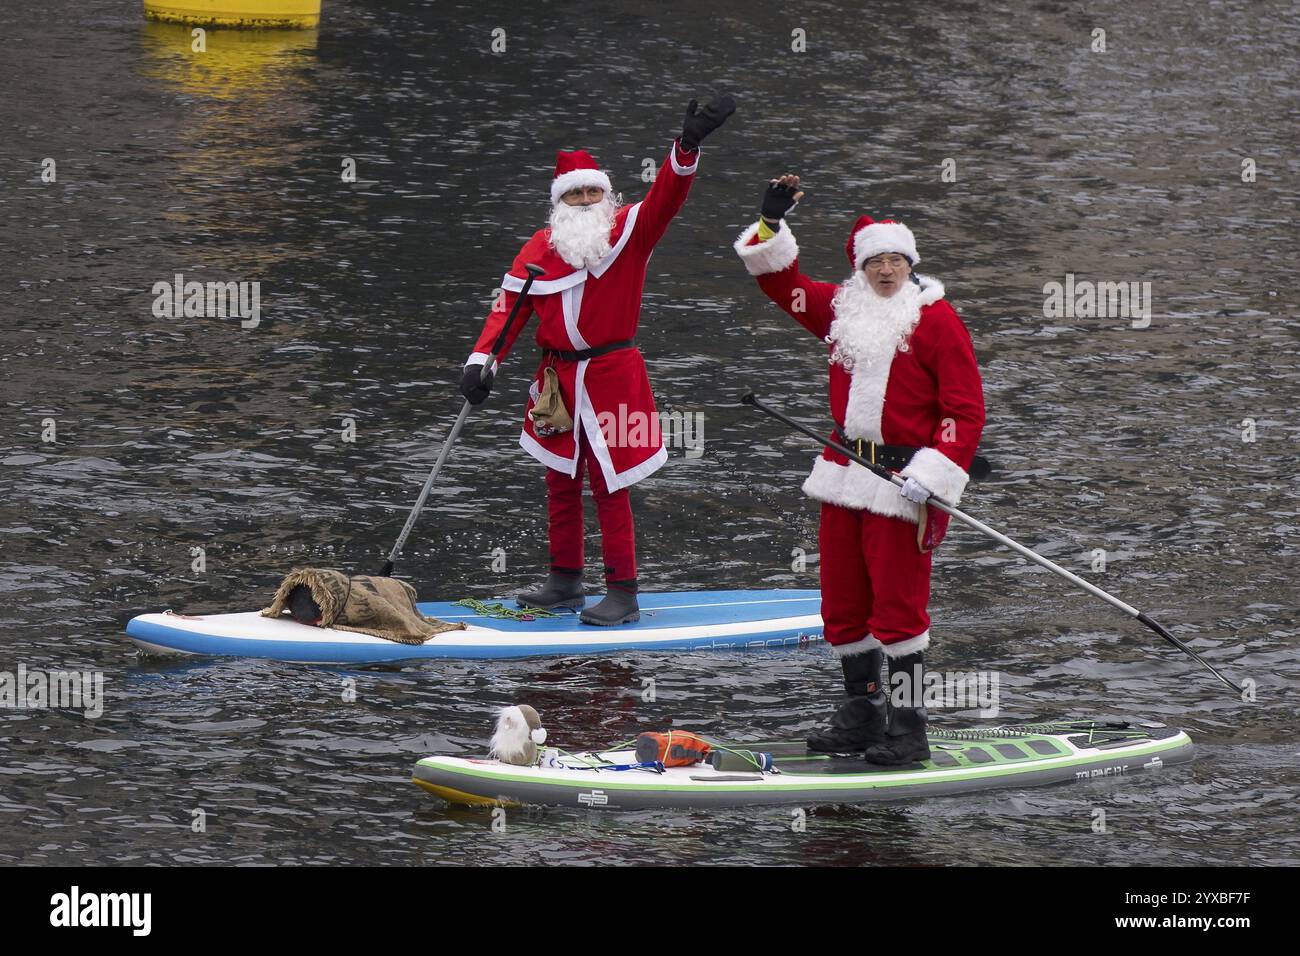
(913, 490)
(473, 386)
(700, 123)
(781, 196)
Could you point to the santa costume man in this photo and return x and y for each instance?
(590, 406)
(905, 392)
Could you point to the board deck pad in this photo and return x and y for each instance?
(962, 761)
(678, 620)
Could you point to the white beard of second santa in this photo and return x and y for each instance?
(580, 234)
(869, 328)
(867, 332)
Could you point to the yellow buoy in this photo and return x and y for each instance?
(258, 14)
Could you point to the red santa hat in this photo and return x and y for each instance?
(575, 170)
(871, 238)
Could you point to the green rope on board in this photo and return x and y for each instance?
(746, 755)
(496, 609)
(583, 758)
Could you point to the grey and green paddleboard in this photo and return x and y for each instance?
(962, 761)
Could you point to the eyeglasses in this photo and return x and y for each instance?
(894, 260)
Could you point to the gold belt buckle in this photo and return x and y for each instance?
(863, 444)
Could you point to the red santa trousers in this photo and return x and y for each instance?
(613, 509)
(874, 578)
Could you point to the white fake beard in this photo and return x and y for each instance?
(580, 234)
(869, 328)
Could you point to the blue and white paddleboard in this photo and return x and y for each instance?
(673, 621)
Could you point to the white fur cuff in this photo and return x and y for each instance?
(939, 473)
(773, 255)
(480, 358)
(678, 168)
(909, 646)
(862, 646)
(852, 486)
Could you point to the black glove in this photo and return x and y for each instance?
(700, 123)
(472, 388)
(777, 201)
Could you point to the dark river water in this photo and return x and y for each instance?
(1169, 445)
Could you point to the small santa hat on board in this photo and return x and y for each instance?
(871, 238)
(574, 170)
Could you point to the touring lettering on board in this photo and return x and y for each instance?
(1100, 772)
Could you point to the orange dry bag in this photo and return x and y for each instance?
(677, 748)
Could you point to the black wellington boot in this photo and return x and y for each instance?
(617, 607)
(905, 740)
(562, 589)
(860, 720)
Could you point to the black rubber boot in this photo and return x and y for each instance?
(617, 607)
(562, 589)
(860, 720)
(905, 740)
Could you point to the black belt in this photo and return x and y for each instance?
(896, 457)
(893, 457)
(583, 354)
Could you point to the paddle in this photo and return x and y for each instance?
(533, 272)
(1034, 556)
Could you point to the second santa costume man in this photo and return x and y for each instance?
(590, 406)
(905, 392)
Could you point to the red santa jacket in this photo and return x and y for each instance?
(930, 396)
(587, 308)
